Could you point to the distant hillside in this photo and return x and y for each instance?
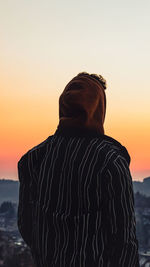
(9, 190)
(142, 187)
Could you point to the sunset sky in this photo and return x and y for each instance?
(44, 44)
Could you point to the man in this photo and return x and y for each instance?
(76, 202)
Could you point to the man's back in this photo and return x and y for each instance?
(79, 210)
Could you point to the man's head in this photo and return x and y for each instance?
(97, 77)
(82, 104)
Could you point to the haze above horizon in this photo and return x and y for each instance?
(45, 43)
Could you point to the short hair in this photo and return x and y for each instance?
(97, 77)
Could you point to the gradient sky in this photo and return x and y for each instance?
(43, 44)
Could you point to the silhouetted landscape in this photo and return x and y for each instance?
(142, 187)
(15, 253)
(9, 189)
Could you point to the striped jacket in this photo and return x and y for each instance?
(76, 202)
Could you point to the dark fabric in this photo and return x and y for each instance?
(76, 202)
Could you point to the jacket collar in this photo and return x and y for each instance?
(88, 133)
(77, 132)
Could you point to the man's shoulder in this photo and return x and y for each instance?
(108, 146)
(114, 148)
(113, 154)
(32, 152)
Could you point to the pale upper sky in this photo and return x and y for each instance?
(43, 44)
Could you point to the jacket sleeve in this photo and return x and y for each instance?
(26, 199)
(120, 215)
